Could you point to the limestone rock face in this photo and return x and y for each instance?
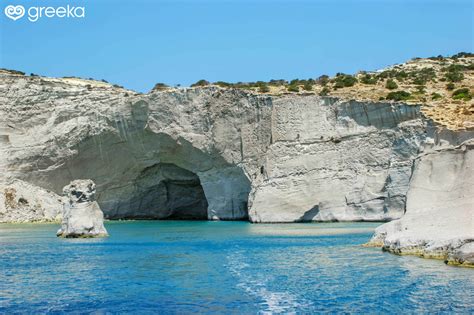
(210, 152)
(23, 202)
(463, 255)
(439, 219)
(336, 161)
(82, 216)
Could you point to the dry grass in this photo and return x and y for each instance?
(436, 99)
(444, 110)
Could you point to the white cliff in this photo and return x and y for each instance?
(208, 152)
(82, 216)
(439, 219)
(23, 202)
(234, 155)
(336, 161)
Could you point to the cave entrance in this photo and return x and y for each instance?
(167, 192)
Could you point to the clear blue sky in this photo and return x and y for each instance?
(137, 43)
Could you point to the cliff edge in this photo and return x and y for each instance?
(439, 219)
(209, 152)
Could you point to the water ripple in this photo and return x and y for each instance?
(221, 267)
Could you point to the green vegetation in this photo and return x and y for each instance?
(369, 79)
(422, 76)
(454, 72)
(400, 75)
(436, 96)
(454, 68)
(160, 87)
(438, 58)
(223, 84)
(420, 89)
(295, 82)
(462, 55)
(264, 88)
(323, 80)
(344, 80)
(450, 86)
(13, 71)
(418, 77)
(243, 85)
(308, 86)
(462, 94)
(200, 83)
(293, 88)
(325, 91)
(391, 84)
(278, 82)
(454, 76)
(398, 96)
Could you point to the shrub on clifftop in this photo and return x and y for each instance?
(450, 86)
(223, 84)
(344, 80)
(391, 85)
(160, 87)
(436, 96)
(200, 83)
(398, 96)
(368, 79)
(462, 94)
(323, 80)
(325, 91)
(264, 88)
(13, 71)
(293, 88)
(308, 86)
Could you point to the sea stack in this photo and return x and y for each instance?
(82, 216)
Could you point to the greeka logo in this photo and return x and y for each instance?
(16, 12)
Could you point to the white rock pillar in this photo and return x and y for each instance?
(82, 216)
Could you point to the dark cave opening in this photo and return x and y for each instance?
(165, 191)
(154, 176)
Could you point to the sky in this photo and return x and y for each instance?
(137, 43)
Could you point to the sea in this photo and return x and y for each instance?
(207, 267)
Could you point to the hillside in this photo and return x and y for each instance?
(444, 86)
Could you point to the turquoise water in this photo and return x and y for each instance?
(221, 267)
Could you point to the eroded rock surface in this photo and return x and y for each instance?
(439, 219)
(82, 216)
(336, 161)
(23, 202)
(266, 158)
(165, 191)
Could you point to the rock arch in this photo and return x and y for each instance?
(167, 191)
(148, 175)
